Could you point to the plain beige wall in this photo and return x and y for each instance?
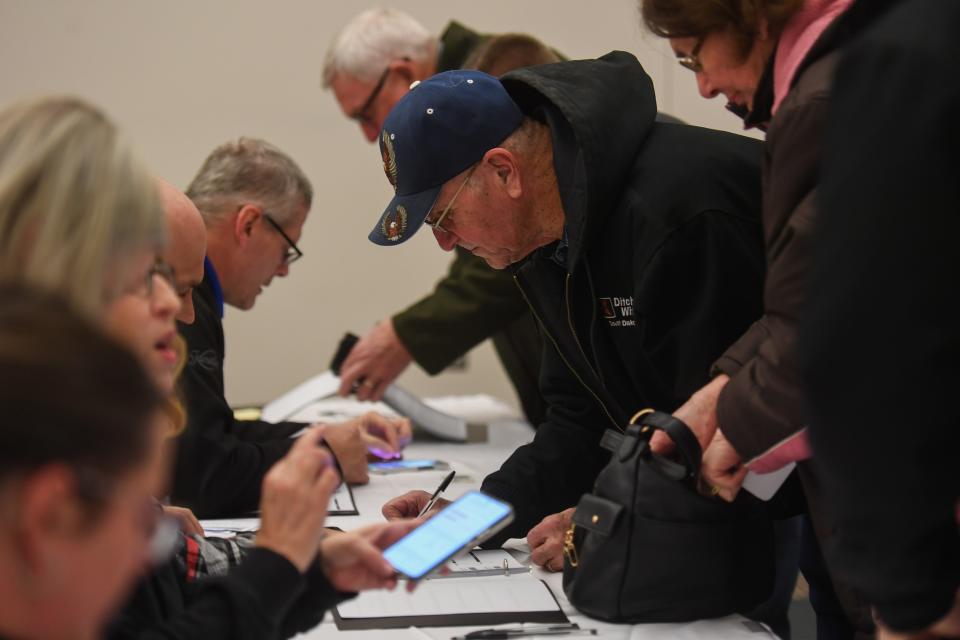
(183, 76)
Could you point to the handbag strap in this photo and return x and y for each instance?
(686, 442)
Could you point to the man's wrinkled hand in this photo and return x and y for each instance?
(699, 413)
(354, 561)
(385, 437)
(546, 540)
(185, 518)
(409, 505)
(293, 504)
(722, 468)
(374, 362)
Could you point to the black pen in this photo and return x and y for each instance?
(505, 634)
(436, 494)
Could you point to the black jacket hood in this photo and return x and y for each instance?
(595, 141)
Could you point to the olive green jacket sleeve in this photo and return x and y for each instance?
(470, 304)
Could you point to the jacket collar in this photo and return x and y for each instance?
(595, 142)
(844, 29)
(210, 278)
(456, 44)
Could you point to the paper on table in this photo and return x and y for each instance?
(230, 525)
(453, 596)
(341, 502)
(435, 422)
(734, 627)
(478, 407)
(287, 405)
(293, 403)
(482, 562)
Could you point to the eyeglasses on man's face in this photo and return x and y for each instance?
(435, 223)
(362, 115)
(146, 285)
(691, 61)
(293, 253)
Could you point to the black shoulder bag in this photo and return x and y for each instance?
(645, 546)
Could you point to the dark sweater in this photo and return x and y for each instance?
(220, 461)
(263, 598)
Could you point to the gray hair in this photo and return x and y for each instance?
(371, 40)
(249, 170)
(75, 201)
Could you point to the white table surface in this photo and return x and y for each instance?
(472, 462)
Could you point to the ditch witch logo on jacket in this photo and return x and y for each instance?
(618, 311)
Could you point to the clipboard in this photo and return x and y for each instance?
(397, 609)
(342, 502)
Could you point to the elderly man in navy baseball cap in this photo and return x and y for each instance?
(441, 129)
(636, 243)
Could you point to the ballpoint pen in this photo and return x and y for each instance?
(436, 494)
(519, 632)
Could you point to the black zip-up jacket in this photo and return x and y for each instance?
(220, 461)
(262, 598)
(663, 269)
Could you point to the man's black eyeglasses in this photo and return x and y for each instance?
(293, 253)
(362, 114)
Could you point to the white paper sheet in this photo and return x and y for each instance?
(500, 594)
(229, 525)
(287, 405)
(733, 627)
(341, 502)
(482, 562)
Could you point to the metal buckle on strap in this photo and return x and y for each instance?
(569, 548)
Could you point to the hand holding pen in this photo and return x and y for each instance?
(436, 494)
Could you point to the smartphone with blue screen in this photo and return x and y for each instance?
(399, 466)
(460, 526)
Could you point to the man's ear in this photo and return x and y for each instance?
(248, 216)
(405, 69)
(506, 167)
(49, 511)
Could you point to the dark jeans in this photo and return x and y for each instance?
(774, 611)
(832, 622)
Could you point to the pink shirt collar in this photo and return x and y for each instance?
(799, 35)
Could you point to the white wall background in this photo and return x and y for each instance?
(182, 76)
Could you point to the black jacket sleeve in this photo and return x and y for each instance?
(264, 597)
(550, 474)
(882, 331)
(219, 465)
(761, 406)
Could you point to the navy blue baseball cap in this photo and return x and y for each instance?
(440, 128)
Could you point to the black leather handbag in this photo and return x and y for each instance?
(646, 546)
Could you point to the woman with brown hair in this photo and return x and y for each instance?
(773, 61)
(78, 458)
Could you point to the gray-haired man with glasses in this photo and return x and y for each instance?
(254, 201)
